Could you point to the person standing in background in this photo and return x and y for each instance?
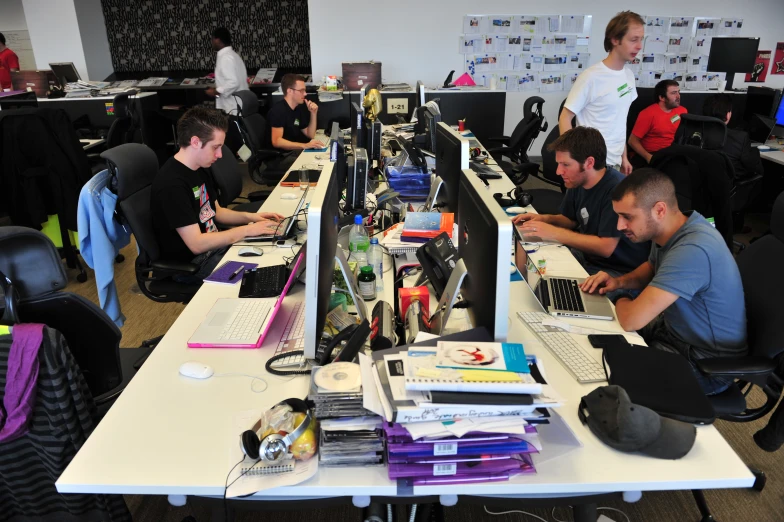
(8, 62)
(231, 76)
(602, 94)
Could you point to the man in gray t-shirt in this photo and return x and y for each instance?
(692, 297)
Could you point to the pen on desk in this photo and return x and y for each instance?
(240, 269)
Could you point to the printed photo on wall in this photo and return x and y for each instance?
(760, 70)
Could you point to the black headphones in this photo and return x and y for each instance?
(517, 196)
(275, 447)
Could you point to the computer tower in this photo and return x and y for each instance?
(373, 141)
(356, 187)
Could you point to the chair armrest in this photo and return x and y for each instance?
(175, 266)
(268, 154)
(736, 366)
(259, 195)
(499, 139)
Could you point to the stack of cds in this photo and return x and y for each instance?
(475, 456)
(350, 434)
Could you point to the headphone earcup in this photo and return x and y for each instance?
(522, 198)
(250, 444)
(503, 201)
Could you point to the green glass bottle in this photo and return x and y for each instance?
(367, 283)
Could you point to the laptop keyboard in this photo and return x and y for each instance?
(247, 320)
(565, 295)
(266, 281)
(280, 231)
(293, 338)
(561, 344)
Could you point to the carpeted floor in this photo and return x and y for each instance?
(146, 319)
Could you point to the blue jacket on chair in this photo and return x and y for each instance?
(101, 237)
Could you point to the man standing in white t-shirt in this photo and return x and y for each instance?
(602, 94)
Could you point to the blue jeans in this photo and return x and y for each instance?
(592, 269)
(658, 335)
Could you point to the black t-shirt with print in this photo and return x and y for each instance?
(293, 121)
(181, 197)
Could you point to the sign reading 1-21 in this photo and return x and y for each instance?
(397, 105)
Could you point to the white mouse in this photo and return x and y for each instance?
(512, 269)
(288, 195)
(196, 370)
(515, 210)
(250, 251)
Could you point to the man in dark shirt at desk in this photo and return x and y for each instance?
(184, 208)
(737, 146)
(586, 222)
(292, 122)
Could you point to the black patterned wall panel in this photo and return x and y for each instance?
(155, 35)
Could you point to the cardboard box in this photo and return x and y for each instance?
(414, 293)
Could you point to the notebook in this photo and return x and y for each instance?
(395, 244)
(222, 274)
(421, 226)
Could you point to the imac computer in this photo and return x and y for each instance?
(779, 115)
(761, 100)
(733, 54)
(22, 100)
(452, 158)
(481, 276)
(65, 72)
(321, 256)
(428, 117)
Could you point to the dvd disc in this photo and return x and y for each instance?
(338, 377)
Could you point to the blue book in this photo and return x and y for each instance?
(427, 225)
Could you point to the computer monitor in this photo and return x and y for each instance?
(65, 72)
(484, 237)
(451, 159)
(425, 127)
(779, 116)
(321, 257)
(420, 94)
(761, 100)
(732, 54)
(20, 100)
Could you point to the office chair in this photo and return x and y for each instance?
(31, 263)
(546, 201)
(515, 147)
(126, 128)
(764, 317)
(228, 181)
(253, 129)
(135, 166)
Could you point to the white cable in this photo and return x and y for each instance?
(514, 511)
(598, 509)
(253, 379)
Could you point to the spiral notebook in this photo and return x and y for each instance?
(394, 243)
(268, 469)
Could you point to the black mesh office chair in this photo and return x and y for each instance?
(228, 181)
(253, 130)
(515, 147)
(126, 128)
(764, 317)
(32, 265)
(135, 166)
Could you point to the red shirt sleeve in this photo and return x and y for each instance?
(13, 61)
(643, 124)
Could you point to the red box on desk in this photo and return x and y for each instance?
(414, 293)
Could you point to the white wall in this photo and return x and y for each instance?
(417, 39)
(54, 32)
(12, 17)
(92, 28)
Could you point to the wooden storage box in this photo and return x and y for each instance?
(38, 81)
(361, 74)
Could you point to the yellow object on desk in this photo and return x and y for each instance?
(489, 376)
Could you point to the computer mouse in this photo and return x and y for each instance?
(288, 195)
(249, 251)
(512, 269)
(515, 210)
(196, 370)
(763, 148)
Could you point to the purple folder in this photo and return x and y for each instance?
(222, 274)
(486, 467)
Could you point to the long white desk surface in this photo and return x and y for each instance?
(171, 435)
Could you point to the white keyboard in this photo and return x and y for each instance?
(247, 320)
(293, 338)
(583, 368)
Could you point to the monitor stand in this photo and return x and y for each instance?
(439, 319)
(730, 77)
(353, 289)
(435, 187)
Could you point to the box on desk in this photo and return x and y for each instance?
(357, 75)
(39, 82)
(414, 293)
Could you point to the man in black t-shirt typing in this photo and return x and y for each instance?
(292, 121)
(587, 222)
(183, 199)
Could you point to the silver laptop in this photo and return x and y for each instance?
(284, 228)
(561, 296)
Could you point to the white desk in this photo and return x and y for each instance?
(170, 435)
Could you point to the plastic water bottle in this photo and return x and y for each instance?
(358, 242)
(376, 260)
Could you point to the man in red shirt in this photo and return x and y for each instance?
(656, 124)
(8, 62)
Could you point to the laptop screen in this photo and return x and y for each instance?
(528, 269)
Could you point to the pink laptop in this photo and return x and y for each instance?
(242, 323)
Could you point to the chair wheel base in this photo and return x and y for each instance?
(81, 277)
(761, 480)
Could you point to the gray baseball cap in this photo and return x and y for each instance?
(625, 426)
